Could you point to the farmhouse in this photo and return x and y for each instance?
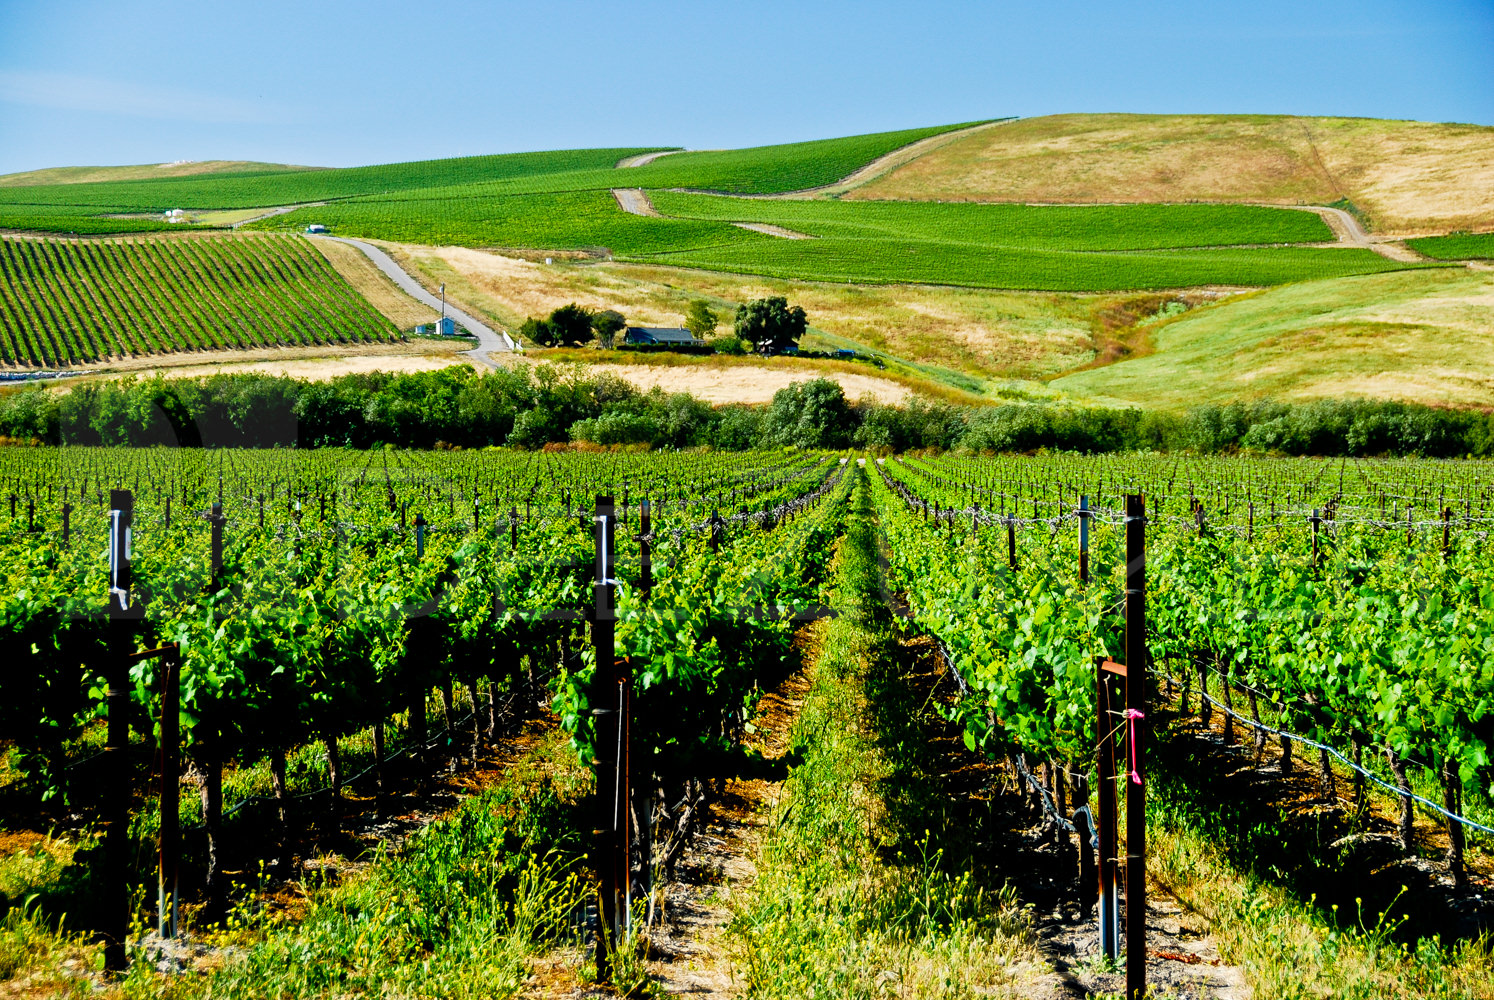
(662, 336)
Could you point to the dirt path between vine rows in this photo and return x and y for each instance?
(689, 953)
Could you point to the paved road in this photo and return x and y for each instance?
(488, 339)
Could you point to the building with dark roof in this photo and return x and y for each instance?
(662, 336)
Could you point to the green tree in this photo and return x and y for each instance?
(572, 325)
(539, 331)
(770, 325)
(700, 320)
(607, 323)
(811, 414)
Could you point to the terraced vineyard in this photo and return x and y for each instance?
(70, 302)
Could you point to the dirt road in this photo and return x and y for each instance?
(635, 201)
(488, 339)
(1351, 233)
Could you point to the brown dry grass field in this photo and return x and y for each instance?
(144, 171)
(719, 380)
(1404, 177)
(994, 336)
(375, 286)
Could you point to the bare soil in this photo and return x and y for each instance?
(635, 202)
(317, 363)
(748, 383)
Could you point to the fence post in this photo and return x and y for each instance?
(122, 615)
(420, 543)
(67, 516)
(217, 520)
(1136, 682)
(1011, 542)
(166, 885)
(609, 731)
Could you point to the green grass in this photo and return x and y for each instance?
(271, 188)
(761, 169)
(1460, 246)
(994, 246)
(1417, 335)
(73, 221)
(853, 896)
(1053, 248)
(65, 302)
(775, 169)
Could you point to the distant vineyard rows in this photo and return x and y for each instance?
(75, 302)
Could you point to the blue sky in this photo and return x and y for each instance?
(338, 84)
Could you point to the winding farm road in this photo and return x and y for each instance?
(1349, 232)
(488, 339)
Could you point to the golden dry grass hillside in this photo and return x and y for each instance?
(990, 335)
(1403, 177)
(139, 172)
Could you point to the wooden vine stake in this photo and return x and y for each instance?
(1136, 683)
(1105, 725)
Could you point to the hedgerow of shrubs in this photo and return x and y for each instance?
(532, 407)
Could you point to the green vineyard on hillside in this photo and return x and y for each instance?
(1458, 246)
(68, 302)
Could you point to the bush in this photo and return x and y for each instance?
(728, 345)
(700, 320)
(607, 324)
(616, 427)
(540, 332)
(532, 406)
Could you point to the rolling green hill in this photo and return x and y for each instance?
(68, 302)
(1054, 248)
(562, 200)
